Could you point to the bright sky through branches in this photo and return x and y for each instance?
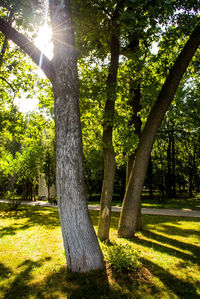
(44, 43)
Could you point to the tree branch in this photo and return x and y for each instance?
(102, 8)
(28, 47)
(8, 83)
(5, 43)
(168, 90)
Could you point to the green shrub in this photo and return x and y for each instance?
(122, 258)
(14, 201)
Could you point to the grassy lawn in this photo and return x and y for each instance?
(168, 203)
(32, 261)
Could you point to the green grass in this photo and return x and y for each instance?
(168, 203)
(32, 261)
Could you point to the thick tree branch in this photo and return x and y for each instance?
(28, 47)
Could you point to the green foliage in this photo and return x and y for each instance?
(14, 201)
(121, 257)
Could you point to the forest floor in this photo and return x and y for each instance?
(32, 261)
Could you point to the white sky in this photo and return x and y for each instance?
(43, 42)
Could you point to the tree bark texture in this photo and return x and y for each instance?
(80, 242)
(127, 223)
(108, 149)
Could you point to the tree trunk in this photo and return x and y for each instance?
(169, 174)
(81, 246)
(127, 223)
(150, 177)
(108, 150)
(173, 167)
(134, 102)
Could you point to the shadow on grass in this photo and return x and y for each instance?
(77, 285)
(12, 229)
(92, 285)
(166, 242)
(60, 284)
(4, 271)
(174, 230)
(181, 288)
(20, 286)
(35, 215)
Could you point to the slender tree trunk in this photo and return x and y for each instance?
(134, 102)
(150, 177)
(108, 149)
(169, 174)
(127, 223)
(173, 167)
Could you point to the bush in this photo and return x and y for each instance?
(14, 202)
(122, 258)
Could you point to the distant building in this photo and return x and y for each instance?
(43, 190)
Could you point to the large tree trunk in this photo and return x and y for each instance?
(108, 150)
(127, 223)
(80, 242)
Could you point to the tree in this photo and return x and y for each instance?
(81, 246)
(127, 224)
(108, 122)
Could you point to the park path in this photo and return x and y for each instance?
(147, 211)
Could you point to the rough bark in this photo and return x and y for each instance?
(80, 242)
(108, 149)
(127, 223)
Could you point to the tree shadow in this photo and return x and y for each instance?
(171, 230)
(195, 250)
(21, 287)
(92, 285)
(35, 215)
(12, 229)
(4, 271)
(165, 247)
(181, 288)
